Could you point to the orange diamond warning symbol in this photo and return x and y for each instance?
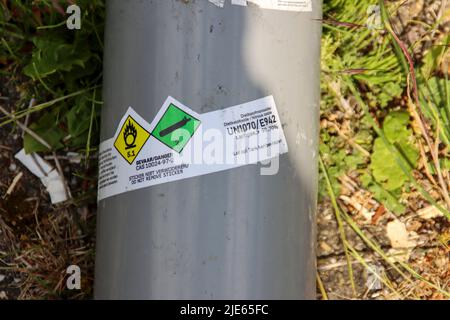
(131, 139)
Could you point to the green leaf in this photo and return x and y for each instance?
(54, 53)
(384, 168)
(78, 117)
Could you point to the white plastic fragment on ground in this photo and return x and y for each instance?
(38, 166)
(49, 176)
(284, 5)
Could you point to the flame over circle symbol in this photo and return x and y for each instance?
(129, 135)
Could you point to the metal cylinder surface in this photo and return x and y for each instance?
(234, 234)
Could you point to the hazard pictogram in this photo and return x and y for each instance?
(131, 139)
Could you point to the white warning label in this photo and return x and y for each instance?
(180, 143)
(285, 5)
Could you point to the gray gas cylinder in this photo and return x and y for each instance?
(234, 234)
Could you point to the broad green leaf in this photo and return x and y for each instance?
(384, 168)
(54, 53)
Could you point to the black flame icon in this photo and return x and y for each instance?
(129, 135)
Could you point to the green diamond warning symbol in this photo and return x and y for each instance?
(176, 128)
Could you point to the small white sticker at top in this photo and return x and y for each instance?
(284, 5)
